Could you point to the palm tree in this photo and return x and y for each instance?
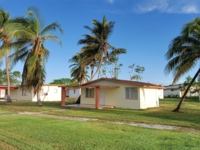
(34, 53)
(10, 31)
(97, 43)
(184, 53)
(78, 70)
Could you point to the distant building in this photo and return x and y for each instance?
(178, 90)
(49, 92)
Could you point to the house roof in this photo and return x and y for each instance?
(53, 85)
(133, 83)
(11, 87)
(18, 86)
(70, 87)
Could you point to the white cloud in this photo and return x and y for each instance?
(169, 6)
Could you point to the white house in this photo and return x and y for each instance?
(119, 93)
(73, 93)
(177, 91)
(49, 92)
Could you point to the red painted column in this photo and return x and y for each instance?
(97, 97)
(63, 96)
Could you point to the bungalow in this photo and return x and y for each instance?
(119, 93)
(178, 90)
(49, 92)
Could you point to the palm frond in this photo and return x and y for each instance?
(52, 27)
(51, 37)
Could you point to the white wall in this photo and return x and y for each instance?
(2, 93)
(149, 98)
(73, 93)
(16, 94)
(50, 93)
(160, 94)
(170, 92)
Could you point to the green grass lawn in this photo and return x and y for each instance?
(34, 132)
(189, 115)
(30, 132)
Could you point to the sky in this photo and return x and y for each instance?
(144, 28)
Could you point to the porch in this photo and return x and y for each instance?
(97, 104)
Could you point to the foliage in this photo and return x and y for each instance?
(94, 50)
(183, 54)
(14, 77)
(138, 70)
(78, 70)
(11, 30)
(64, 81)
(113, 62)
(34, 53)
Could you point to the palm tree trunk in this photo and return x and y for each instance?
(92, 70)
(8, 79)
(99, 66)
(39, 102)
(183, 97)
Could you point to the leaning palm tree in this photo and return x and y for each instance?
(10, 31)
(97, 42)
(34, 52)
(184, 53)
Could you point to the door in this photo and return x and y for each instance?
(102, 96)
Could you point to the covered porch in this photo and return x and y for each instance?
(91, 106)
(3, 90)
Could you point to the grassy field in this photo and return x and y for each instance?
(189, 115)
(30, 132)
(34, 132)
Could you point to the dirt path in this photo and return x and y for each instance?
(154, 126)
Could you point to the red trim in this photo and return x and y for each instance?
(97, 97)
(11, 87)
(63, 96)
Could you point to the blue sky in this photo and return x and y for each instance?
(143, 27)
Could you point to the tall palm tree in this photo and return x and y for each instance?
(97, 42)
(184, 53)
(34, 53)
(10, 31)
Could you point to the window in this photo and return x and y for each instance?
(74, 91)
(90, 92)
(131, 93)
(23, 92)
